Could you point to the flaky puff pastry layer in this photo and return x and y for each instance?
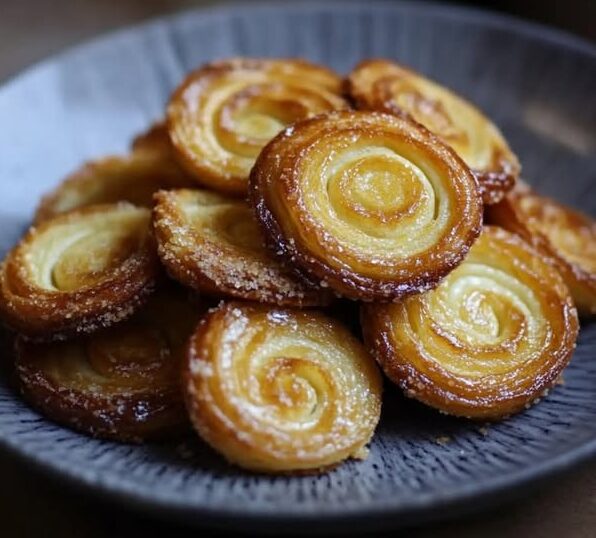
(121, 383)
(372, 205)
(212, 243)
(489, 341)
(281, 390)
(132, 178)
(79, 272)
(566, 236)
(386, 86)
(224, 113)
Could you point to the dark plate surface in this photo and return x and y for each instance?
(538, 85)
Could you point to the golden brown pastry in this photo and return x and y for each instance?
(372, 205)
(389, 87)
(225, 112)
(281, 390)
(155, 140)
(489, 341)
(566, 236)
(212, 243)
(121, 383)
(78, 272)
(133, 179)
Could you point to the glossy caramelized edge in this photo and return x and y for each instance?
(44, 315)
(510, 215)
(231, 418)
(274, 180)
(130, 178)
(213, 265)
(206, 172)
(495, 180)
(142, 407)
(486, 397)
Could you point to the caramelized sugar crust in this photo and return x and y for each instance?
(280, 390)
(489, 341)
(212, 243)
(386, 86)
(133, 178)
(78, 272)
(566, 236)
(121, 383)
(372, 205)
(223, 114)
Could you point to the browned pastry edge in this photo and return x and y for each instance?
(220, 270)
(133, 405)
(418, 386)
(204, 174)
(378, 328)
(59, 329)
(207, 332)
(44, 315)
(114, 417)
(317, 272)
(131, 178)
(493, 183)
(508, 215)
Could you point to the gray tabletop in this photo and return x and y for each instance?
(32, 505)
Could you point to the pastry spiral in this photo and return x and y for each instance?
(489, 341)
(566, 236)
(79, 272)
(225, 112)
(281, 390)
(122, 383)
(388, 87)
(372, 205)
(133, 179)
(212, 243)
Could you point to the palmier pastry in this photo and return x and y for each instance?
(370, 204)
(489, 341)
(388, 87)
(281, 390)
(212, 243)
(155, 140)
(566, 236)
(121, 383)
(225, 112)
(79, 272)
(133, 178)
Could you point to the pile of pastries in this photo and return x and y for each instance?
(209, 277)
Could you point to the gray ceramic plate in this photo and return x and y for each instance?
(539, 87)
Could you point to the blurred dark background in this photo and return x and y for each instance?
(576, 16)
(33, 29)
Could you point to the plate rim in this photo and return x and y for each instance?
(537, 30)
(380, 515)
